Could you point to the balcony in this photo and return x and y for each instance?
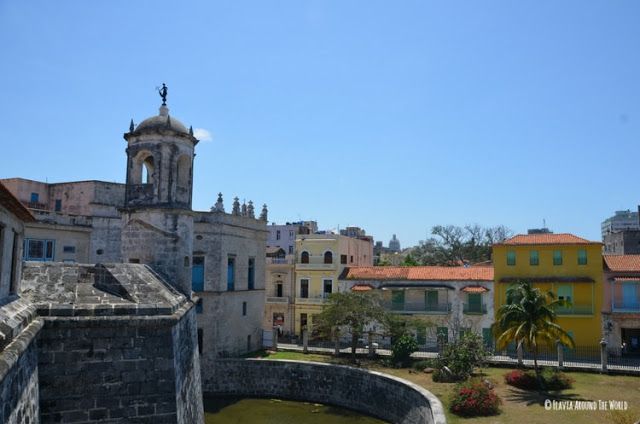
(280, 261)
(417, 308)
(275, 299)
(316, 300)
(315, 266)
(625, 305)
(576, 309)
(474, 309)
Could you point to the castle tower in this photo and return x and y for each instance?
(157, 216)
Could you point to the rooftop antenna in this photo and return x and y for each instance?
(544, 223)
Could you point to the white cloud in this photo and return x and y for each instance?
(202, 134)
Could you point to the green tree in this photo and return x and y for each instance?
(352, 311)
(409, 261)
(452, 245)
(529, 319)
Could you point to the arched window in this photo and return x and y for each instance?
(147, 170)
(183, 177)
(304, 257)
(328, 257)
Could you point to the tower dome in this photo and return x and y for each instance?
(162, 121)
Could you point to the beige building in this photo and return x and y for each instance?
(279, 291)
(450, 300)
(320, 259)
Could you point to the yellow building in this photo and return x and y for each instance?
(568, 266)
(320, 259)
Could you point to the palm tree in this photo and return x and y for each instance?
(529, 319)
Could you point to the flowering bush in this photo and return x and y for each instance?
(521, 379)
(551, 380)
(474, 398)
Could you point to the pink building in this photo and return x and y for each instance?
(621, 303)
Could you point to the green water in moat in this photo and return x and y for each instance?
(275, 411)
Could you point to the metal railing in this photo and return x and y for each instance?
(316, 300)
(468, 308)
(576, 309)
(280, 261)
(277, 299)
(626, 305)
(418, 307)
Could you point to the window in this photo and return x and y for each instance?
(557, 257)
(327, 288)
(328, 257)
(199, 307)
(251, 275)
(304, 257)
(291, 250)
(565, 292)
(351, 259)
(278, 235)
(292, 234)
(303, 321)
(582, 257)
(39, 250)
(304, 288)
(487, 337)
(474, 304)
(431, 299)
(511, 258)
(58, 206)
(231, 273)
(197, 274)
(35, 197)
(343, 259)
(397, 300)
(442, 333)
(534, 260)
(279, 289)
(244, 309)
(200, 341)
(69, 249)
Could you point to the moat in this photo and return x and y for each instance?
(230, 410)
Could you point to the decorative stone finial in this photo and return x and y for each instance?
(131, 126)
(236, 206)
(251, 212)
(163, 93)
(191, 130)
(244, 208)
(264, 213)
(219, 207)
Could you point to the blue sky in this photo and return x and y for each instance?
(393, 116)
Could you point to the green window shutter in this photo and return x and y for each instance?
(431, 298)
(487, 337)
(582, 257)
(557, 257)
(475, 302)
(511, 258)
(533, 258)
(397, 300)
(442, 334)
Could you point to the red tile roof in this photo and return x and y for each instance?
(622, 263)
(418, 273)
(13, 205)
(474, 289)
(528, 239)
(361, 288)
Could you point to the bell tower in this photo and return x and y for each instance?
(157, 216)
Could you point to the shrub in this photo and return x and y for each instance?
(521, 379)
(556, 380)
(402, 349)
(551, 380)
(458, 359)
(473, 398)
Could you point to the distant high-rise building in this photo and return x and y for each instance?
(621, 233)
(622, 220)
(394, 244)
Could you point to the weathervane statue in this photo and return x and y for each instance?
(163, 93)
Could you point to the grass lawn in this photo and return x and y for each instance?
(519, 406)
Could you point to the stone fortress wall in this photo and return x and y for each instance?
(386, 397)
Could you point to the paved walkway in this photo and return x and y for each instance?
(496, 360)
